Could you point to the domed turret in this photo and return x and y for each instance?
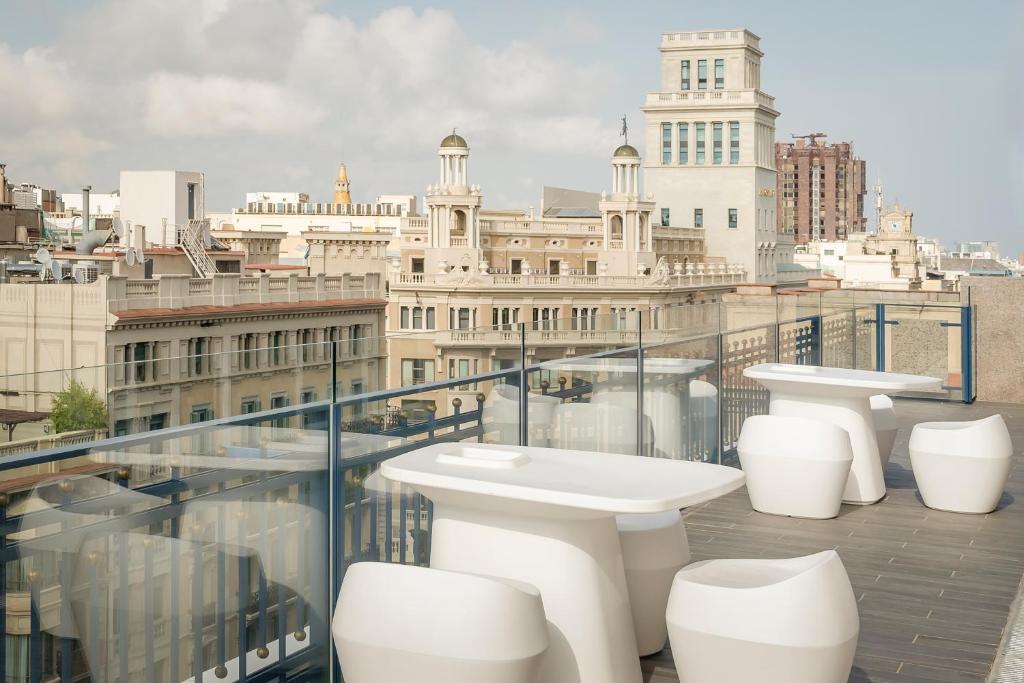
(454, 140)
(626, 151)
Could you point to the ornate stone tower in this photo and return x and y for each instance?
(626, 218)
(341, 186)
(453, 205)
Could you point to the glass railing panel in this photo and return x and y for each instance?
(739, 396)
(680, 399)
(191, 552)
(386, 522)
(925, 340)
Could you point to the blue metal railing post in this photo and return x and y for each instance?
(816, 340)
(335, 501)
(639, 382)
(880, 337)
(524, 416)
(966, 355)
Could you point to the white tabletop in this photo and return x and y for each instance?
(582, 480)
(667, 366)
(252, 448)
(862, 379)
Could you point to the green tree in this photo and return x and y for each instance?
(78, 408)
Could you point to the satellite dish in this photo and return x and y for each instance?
(129, 256)
(43, 255)
(80, 276)
(57, 270)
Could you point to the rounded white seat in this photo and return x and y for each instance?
(654, 548)
(501, 416)
(883, 414)
(771, 621)
(961, 466)
(795, 466)
(403, 623)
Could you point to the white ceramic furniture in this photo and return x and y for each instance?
(883, 414)
(547, 517)
(961, 466)
(795, 466)
(704, 413)
(606, 426)
(501, 415)
(402, 623)
(769, 621)
(654, 548)
(842, 397)
(666, 393)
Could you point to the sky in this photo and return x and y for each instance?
(272, 94)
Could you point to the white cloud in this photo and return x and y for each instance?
(178, 105)
(286, 84)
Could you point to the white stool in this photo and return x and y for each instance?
(795, 466)
(654, 548)
(501, 416)
(883, 414)
(404, 623)
(770, 621)
(961, 466)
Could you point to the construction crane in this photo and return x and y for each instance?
(811, 137)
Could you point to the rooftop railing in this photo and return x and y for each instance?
(214, 550)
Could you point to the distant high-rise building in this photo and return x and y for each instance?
(821, 187)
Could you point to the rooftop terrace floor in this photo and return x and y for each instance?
(935, 590)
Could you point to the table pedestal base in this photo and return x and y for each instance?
(576, 564)
(866, 484)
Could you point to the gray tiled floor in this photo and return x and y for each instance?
(934, 588)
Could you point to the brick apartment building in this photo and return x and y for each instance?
(821, 188)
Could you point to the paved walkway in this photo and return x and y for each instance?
(935, 589)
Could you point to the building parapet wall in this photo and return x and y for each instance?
(703, 98)
(695, 276)
(714, 38)
(227, 289)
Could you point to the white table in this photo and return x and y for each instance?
(666, 393)
(547, 517)
(842, 397)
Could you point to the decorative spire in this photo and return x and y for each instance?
(341, 186)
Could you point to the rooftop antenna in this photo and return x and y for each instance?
(878, 205)
(625, 130)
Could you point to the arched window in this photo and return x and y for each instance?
(616, 227)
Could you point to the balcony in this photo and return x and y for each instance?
(694, 276)
(708, 98)
(233, 533)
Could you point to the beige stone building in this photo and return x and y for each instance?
(467, 277)
(177, 349)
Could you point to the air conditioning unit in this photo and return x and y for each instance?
(85, 272)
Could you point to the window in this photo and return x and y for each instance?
(359, 332)
(734, 142)
(684, 143)
(139, 361)
(517, 266)
(545, 318)
(459, 318)
(431, 322)
(702, 74)
(417, 371)
(700, 143)
(717, 149)
(719, 74)
(122, 427)
(404, 318)
(623, 318)
(665, 216)
(158, 421)
(732, 218)
(554, 266)
(584, 318)
(417, 318)
(248, 348)
(250, 405)
(463, 367)
(591, 267)
(280, 401)
(276, 356)
(698, 218)
(417, 265)
(666, 143)
(201, 414)
(684, 74)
